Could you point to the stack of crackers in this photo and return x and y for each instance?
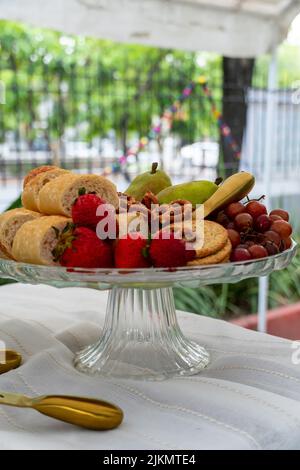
(214, 246)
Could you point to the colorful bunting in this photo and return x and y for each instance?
(166, 121)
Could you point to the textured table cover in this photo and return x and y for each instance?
(248, 398)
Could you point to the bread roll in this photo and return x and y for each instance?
(36, 240)
(37, 171)
(36, 183)
(3, 253)
(10, 223)
(58, 196)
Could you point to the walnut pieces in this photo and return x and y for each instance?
(149, 200)
(125, 200)
(159, 216)
(176, 212)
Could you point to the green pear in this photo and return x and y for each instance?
(197, 192)
(154, 181)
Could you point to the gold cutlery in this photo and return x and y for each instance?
(84, 412)
(12, 361)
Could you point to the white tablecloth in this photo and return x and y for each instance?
(248, 398)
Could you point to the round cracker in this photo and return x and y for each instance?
(214, 239)
(222, 256)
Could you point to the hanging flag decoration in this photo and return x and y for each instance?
(165, 122)
(224, 128)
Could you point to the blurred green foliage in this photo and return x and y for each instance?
(233, 300)
(15, 204)
(97, 85)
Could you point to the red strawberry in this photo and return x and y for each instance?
(85, 250)
(131, 252)
(169, 253)
(84, 210)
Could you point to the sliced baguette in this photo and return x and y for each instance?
(37, 171)
(10, 223)
(36, 183)
(36, 240)
(3, 253)
(58, 196)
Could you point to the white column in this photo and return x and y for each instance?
(269, 155)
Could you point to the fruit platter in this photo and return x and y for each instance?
(78, 230)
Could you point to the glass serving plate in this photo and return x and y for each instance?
(141, 337)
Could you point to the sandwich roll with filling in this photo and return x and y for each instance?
(36, 182)
(3, 254)
(58, 196)
(36, 241)
(10, 222)
(37, 171)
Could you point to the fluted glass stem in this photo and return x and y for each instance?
(141, 338)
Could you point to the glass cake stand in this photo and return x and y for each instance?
(141, 337)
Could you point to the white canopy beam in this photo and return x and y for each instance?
(235, 28)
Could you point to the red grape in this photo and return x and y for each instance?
(287, 243)
(274, 217)
(263, 223)
(240, 254)
(234, 209)
(243, 222)
(257, 251)
(273, 237)
(222, 219)
(271, 248)
(281, 213)
(256, 208)
(231, 226)
(260, 238)
(234, 237)
(243, 246)
(282, 227)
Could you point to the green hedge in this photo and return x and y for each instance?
(233, 300)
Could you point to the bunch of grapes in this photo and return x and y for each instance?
(253, 232)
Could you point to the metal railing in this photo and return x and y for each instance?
(85, 116)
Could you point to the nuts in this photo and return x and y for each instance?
(150, 199)
(174, 213)
(160, 216)
(125, 200)
(181, 202)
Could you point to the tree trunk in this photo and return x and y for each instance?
(237, 77)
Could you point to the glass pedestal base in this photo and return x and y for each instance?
(141, 339)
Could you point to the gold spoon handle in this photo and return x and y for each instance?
(84, 412)
(9, 360)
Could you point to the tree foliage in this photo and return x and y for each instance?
(94, 86)
(59, 86)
